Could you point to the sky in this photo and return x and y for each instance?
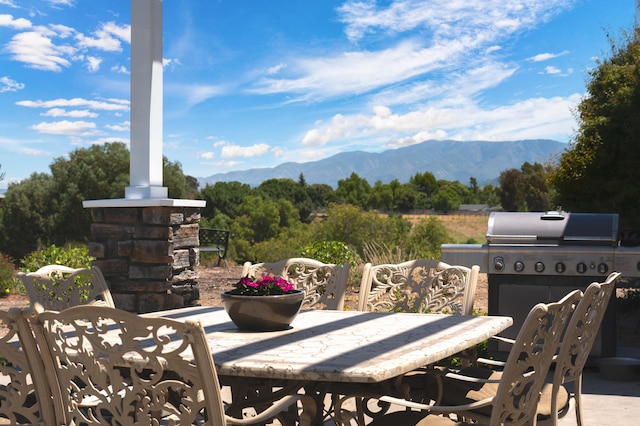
(251, 83)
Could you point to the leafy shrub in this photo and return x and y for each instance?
(73, 257)
(7, 279)
(329, 252)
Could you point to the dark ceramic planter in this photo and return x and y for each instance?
(263, 313)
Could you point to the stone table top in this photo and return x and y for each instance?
(339, 346)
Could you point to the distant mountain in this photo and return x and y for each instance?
(448, 160)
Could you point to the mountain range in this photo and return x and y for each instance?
(447, 160)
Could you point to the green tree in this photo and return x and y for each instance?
(353, 226)
(25, 225)
(56, 215)
(426, 238)
(224, 198)
(446, 199)
(393, 196)
(599, 172)
(525, 189)
(321, 195)
(354, 190)
(288, 189)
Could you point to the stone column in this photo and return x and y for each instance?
(148, 255)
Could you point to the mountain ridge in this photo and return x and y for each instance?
(456, 160)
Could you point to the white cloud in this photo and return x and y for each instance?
(59, 112)
(108, 105)
(446, 35)
(16, 24)
(445, 17)
(546, 56)
(58, 3)
(275, 69)
(120, 69)
(207, 155)
(552, 70)
(68, 128)
(9, 3)
(9, 85)
(196, 93)
(533, 118)
(232, 151)
(39, 52)
(107, 38)
(122, 127)
(93, 63)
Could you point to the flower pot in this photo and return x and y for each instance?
(263, 313)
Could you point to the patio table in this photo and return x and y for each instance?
(323, 348)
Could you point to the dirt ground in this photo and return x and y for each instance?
(214, 280)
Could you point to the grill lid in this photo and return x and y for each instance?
(553, 228)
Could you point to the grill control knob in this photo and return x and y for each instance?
(518, 266)
(560, 267)
(498, 264)
(539, 267)
(581, 268)
(603, 268)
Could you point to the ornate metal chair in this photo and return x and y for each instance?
(324, 284)
(421, 285)
(575, 349)
(515, 401)
(108, 366)
(24, 393)
(57, 287)
(572, 355)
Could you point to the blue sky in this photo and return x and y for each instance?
(252, 83)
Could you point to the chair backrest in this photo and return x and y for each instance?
(113, 367)
(57, 287)
(528, 363)
(325, 284)
(582, 330)
(421, 285)
(25, 397)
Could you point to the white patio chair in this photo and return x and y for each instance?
(109, 366)
(572, 355)
(515, 401)
(25, 397)
(57, 287)
(325, 284)
(420, 285)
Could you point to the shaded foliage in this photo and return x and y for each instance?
(599, 172)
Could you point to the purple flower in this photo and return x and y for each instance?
(263, 286)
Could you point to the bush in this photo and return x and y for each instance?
(7, 279)
(73, 257)
(329, 252)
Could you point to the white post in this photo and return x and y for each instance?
(146, 101)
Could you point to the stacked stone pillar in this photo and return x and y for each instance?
(148, 255)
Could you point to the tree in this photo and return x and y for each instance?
(26, 227)
(290, 190)
(525, 189)
(54, 203)
(321, 195)
(224, 198)
(600, 170)
(354, 190)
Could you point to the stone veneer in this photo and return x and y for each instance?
(148, 255)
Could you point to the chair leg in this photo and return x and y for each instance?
(577, 395)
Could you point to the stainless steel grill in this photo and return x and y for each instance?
(540, 257)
